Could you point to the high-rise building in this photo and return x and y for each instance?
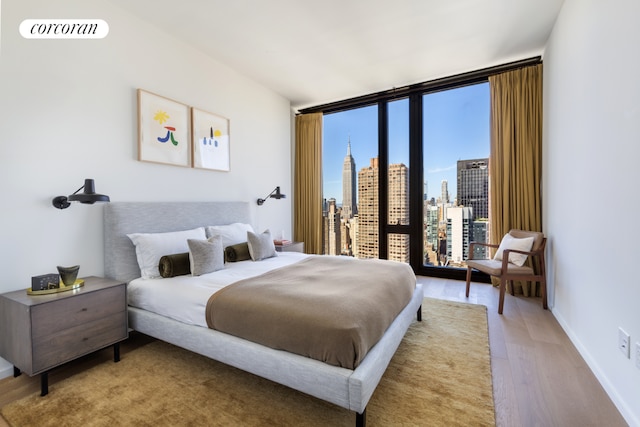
(345, 237)
(354, 232)
(480, 233)
(398, 194)
(332, 242)
(459, 225)
(431, 226)
(349, 195)
(444, 188)
(368, 211)
(473, 186)
(398, 211)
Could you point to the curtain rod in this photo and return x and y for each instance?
(458, 80)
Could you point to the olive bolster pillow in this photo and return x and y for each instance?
(174, 265)
(238, 252)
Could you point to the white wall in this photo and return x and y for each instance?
(68, 112)
(591, 177)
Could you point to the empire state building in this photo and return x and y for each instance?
(349, 195)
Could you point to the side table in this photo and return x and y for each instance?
(40, 332)
(290, 247)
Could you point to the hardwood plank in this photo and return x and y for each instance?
(506, 406)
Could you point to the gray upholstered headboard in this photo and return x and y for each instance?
(122, 218)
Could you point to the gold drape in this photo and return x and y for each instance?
(307, 223)
(515, 164)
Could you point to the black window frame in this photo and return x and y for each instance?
(415, 95)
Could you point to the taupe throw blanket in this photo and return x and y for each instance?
(333, 309)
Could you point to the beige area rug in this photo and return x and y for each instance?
(440, 376)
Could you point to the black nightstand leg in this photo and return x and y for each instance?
(44, 383)
(16, 372)
(116, 352)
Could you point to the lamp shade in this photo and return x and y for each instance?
(88, 196)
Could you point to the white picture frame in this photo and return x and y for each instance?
(210, 141)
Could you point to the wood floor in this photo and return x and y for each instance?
(539, 379)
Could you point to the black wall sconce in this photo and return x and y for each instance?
(275, 194)
(88, 196)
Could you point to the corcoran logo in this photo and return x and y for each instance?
(64, 29)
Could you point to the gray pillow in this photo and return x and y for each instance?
(261, 245)
(206, 256)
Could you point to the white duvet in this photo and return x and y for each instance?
(184, 298)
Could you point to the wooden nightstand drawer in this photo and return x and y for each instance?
(40, 332)
(49, 319)
(68, 344)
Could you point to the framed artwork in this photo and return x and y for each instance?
(163, 130)
(210, 140)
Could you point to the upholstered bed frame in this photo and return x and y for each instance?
(350, 389)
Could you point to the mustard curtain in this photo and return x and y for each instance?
(515, 164)
(307, 223)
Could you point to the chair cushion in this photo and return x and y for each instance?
(537, 237)
(494, 267)
(510, 242)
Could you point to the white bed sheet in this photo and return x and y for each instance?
(184, 298)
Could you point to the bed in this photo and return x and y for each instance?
(348, 388)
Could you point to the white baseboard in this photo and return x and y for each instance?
(626, 408)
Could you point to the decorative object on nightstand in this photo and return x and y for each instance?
(53, 283)
(39, 333)
(56, 288)
(68, 275)
(45, 281)
(88, 196)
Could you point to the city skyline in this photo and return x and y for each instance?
(456, 127)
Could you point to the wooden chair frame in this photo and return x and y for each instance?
(506, 274)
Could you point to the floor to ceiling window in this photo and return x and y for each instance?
(456, 174)
(406, 172)
(398, 219)
(367, 179)
(350, 183)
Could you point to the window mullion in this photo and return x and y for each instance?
(383, 185)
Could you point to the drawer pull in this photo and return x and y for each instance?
(84, 309)
(85, 339)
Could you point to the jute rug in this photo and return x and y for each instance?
(440, 376)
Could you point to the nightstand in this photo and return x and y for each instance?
(40, 332)
(291, 247)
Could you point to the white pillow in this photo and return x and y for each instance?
(150, 247)
(231, 234)
(206, 256)
(261, 246)
(510, 242)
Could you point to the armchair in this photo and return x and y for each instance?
(503, 267)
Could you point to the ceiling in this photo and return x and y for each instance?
(314, 52)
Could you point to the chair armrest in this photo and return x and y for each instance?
(505, 254)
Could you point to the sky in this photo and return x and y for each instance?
(456, 127)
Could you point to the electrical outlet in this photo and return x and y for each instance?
(638, 355)
(623, 342)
